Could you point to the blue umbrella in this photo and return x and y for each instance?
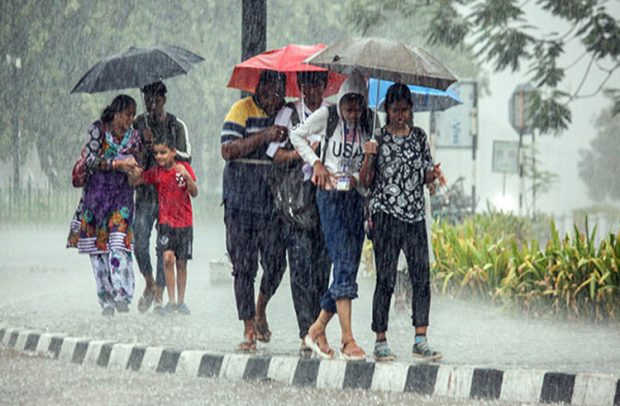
(424, 98)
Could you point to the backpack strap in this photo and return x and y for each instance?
(332, 123)
(294, 115)
(172, 128)
(367, 121)
(294, 123)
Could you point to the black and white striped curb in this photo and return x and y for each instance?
(438, 380)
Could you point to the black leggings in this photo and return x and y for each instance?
(390, 235)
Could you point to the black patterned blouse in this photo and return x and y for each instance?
(400, 166)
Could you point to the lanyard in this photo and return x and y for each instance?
(346, 132)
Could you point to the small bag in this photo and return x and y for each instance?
(79, 173)
(295, 200)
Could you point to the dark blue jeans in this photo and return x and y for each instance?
(144, 218)
(342, 221)
(248, 236)
(309, 266)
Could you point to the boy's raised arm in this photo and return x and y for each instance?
(192, 188)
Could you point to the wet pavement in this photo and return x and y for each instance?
(49, 288)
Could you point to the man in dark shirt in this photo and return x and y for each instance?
(156, 124)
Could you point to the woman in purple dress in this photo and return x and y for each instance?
(106, 210)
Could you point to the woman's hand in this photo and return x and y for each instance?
(438, 173)
(128, 165)
(370, 147)
(135, 172)
(321, 176)
(367, 173)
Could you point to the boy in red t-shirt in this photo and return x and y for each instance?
(175, 183)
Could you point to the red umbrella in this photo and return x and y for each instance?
(289, 60)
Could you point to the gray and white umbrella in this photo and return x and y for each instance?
(385, 59)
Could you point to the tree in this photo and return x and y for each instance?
(497, 31)
(599, 166)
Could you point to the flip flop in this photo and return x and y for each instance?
(146, 300)
(357, 354)
(314, 346)
(247, 346)
(263, 334)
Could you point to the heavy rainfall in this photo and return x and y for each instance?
(504, 139)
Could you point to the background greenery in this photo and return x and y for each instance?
(501, 258)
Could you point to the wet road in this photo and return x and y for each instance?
(46, 287)
(31, 380)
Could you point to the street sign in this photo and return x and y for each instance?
(505, 157)
(518, 106)
(455, 126)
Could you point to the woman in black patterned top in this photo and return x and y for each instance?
(396, 167)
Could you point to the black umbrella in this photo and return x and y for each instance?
(136, 68)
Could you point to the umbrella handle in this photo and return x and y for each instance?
(146, 113)
(374, 115)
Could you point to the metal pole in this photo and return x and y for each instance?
(374, 116)
(16, 65)
(474, 130)
(432, 138)
(533, 177)
(521, 170)
(253, 29)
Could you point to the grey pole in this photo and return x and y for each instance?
(253, 29)
(16, 65)
(474, 147)
(533, 177)
(521, 172)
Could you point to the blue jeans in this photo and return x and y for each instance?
(342, 221)
(144, 218)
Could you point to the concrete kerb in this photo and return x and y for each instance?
(432, 379)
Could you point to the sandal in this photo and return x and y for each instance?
(356, 353)
(247, 346)
(263, 334)
(383, 353)
(313, 344)
(144, 303)
(305, 351)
